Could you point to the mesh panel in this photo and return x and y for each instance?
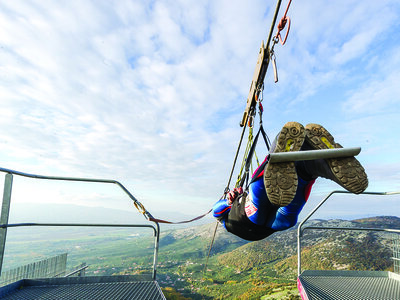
(330, 285)
(112, 290)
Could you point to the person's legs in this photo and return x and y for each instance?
(280, 179)
(346, 171)
(291, 183)
(258, 207)
(286, 216)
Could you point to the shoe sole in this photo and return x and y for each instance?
(347, 170)
(280, 179)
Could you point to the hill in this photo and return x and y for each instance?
(269, 266)
(323, 249)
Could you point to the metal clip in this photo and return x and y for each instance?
(274, 66)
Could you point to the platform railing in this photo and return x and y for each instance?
(396, 255)
(5, 211)
(301, 228)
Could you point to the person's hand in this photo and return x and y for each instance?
(232, 195)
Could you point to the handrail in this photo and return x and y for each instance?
(77, 225)
(77, 271)
(7, 199)
(300, 228)
(35, 176)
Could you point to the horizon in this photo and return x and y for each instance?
(30, 212)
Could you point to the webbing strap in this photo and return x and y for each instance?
(251, 153)
(258, 172)
(181, 222)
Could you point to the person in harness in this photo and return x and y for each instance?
(279, 191)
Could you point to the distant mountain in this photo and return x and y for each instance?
(380, 222)
(68, 213)
(79, 214)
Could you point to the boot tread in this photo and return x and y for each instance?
(347, 171)
(280, 179)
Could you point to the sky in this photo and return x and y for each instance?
(151, 93)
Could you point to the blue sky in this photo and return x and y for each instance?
(151, 93)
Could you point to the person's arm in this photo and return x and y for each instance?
(221, 209)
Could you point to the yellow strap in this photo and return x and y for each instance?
(246, 153)
(139, 206)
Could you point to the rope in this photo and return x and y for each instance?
(209, 249)
(139, 206)
(181, 222)
(236, 156)
(278, 4)
(281, 25)
(246, 154)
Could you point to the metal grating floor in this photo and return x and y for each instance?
(109, 287)
(340, 285)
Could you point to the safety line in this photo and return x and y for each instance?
(278, 4)
(181, 222)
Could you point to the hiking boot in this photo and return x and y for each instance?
(280, 179)
(345, 171)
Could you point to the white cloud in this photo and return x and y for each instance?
(380, 91)
(152, 93)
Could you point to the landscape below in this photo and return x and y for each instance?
(236, 269)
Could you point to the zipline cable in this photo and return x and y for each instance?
(262, 73)
(250, 111)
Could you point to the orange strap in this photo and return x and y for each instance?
(139, 206)
(282, 23)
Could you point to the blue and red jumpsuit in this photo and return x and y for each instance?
(265, 218)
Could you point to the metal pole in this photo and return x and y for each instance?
(298, 251)
(81, 269)
(156, 244)
(5, 212)
(278, 6)
(313, 154)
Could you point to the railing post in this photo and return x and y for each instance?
(5, 212)
(156, 244)
(299, 233)
(396, 254)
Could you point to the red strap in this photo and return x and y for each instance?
(283, 21)
(308, 188)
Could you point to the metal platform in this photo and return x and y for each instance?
(88, 288)
(339, 285)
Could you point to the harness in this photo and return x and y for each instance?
(239, 224)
